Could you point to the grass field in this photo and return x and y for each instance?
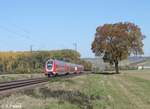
(128, 90)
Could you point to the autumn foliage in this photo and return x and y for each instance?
(33, 62)
(117, 41)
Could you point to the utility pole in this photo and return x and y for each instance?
(31, 48)
(75, 46)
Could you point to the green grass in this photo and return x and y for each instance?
(94, 91)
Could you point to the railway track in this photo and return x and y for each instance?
(20, 84)
(4, 86)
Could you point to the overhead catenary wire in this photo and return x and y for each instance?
(21, 28)
(14, 32)
(20, 32)
(24, 32)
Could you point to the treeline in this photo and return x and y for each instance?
(33, 62)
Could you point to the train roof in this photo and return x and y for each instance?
(64, 62)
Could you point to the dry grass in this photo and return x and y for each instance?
(9, 77)
(138, 73)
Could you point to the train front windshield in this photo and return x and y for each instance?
(49, 65)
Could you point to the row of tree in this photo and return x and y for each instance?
(33, 62)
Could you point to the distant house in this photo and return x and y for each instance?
(140, 67)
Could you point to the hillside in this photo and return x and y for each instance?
(134, 60)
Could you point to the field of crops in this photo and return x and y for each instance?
(128, 90)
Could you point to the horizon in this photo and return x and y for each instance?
(51, 25)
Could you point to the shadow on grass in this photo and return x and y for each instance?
(106, 73)
(74, 97)
(64, 80)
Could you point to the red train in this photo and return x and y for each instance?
(56, 67)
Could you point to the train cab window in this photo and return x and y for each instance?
(49, 65)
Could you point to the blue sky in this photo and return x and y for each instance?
(57, 24)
